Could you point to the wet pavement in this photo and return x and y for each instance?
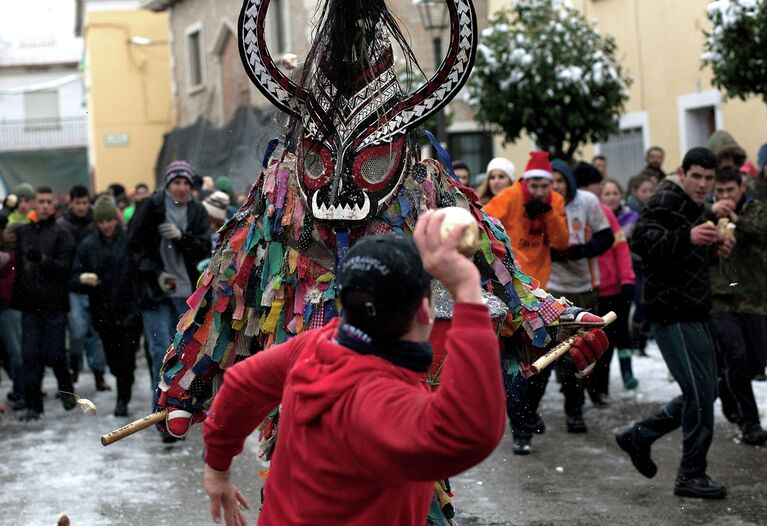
(58, 465)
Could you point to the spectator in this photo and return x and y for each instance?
(499, 175)
(346, 377)
(726, 149)
(102, 271)
(739, 287)
(462, 172)
(168, 236)
(44, 254)
(26, 200)
(654, 168)
(140, 192)
(224, 184)
(10, 323)
(757, 186)
(216, 205)
(600, 162)
(575, 272)
(612, 197)
(79, 222)
(641, 189)
(534, 218)
(675, 244)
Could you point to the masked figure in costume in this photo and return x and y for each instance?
(346, 167)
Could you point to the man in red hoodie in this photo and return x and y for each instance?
(362, 436)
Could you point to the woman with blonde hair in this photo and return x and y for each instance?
(499, 175)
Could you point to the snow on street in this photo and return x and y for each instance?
(58, 465)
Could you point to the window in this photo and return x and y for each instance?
(475, 149)
(196, 57)
(41, 110)
(700, 115)
(625, 149)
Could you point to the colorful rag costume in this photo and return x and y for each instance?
(346, 167)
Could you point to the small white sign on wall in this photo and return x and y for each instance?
(117, 139)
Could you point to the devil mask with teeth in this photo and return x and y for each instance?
(349, 120)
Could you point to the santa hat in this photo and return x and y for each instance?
(538, 166)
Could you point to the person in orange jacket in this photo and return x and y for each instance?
(534, 218)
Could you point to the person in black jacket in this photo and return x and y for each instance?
(44, 253)
(168, 236)
(102, 271)
(675, 243)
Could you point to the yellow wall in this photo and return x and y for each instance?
(129, 92)
(660, 43)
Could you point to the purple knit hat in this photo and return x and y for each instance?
(178, 169)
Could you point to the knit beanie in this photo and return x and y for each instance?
(178, 169)
(104, 209)
(586, 174)
(224, 184)
(538, 166)
(216, 205)
(24, 191)
(502, 164)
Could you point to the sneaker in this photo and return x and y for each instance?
(540, 426)
(575, 424)
(630, 383)
(521, 446)
(600, 401)
(755, 436)
(640, 456)
(121, 409)
(699, 488)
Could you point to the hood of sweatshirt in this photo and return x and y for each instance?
(562, 167)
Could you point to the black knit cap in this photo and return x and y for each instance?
(586, 174)
(388, 268)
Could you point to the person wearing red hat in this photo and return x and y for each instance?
(534, 218)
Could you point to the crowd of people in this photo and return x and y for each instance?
(92, 278)
(89, 278)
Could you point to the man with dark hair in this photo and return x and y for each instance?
(78, 220)
(168, 236)
(739, 286)
(654, 158)
(354, 390)
(676, 243)
(600, 163)
(463, 172)
(44, 254)
(140, 192)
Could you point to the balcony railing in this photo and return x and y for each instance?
(37, 134)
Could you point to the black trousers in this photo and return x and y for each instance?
(43, 343)
(523, 396)
(739, 338)
(598, 382)
(120, 346)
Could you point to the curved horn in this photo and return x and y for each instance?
(446, 82)
(285, 94)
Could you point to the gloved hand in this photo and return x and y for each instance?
(179, 421)
(587, 349)
(536, 207)
(628, 291)
(33, 255)
(167, 282)
(89, 278)
(169, 231)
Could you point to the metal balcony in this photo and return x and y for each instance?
(43, 134)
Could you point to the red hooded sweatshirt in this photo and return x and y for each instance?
(361, 440)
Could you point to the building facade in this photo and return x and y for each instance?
(672, 101)
(43, 133)
(209, 81)
(129, 88)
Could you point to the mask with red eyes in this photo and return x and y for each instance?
(352, 119)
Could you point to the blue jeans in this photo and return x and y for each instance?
(10, 334)
(83, 335)
(688, 350)
(159, 329)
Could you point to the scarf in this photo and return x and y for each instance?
(410, 355)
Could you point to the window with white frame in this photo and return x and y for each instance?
(625, 149)
(41, 110)
(195, 57)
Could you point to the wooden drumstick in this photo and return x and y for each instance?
(563, 347)
(133, 427)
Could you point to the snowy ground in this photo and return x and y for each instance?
(58, 465)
